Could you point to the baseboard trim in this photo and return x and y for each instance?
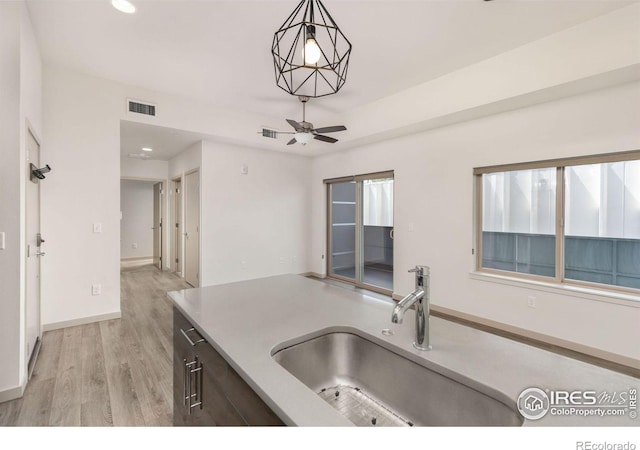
(80, 321)
(34, 357)
(608, 360)
(12, 393)
(313, 274)
(137, 258)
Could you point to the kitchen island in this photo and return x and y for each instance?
(249, 321)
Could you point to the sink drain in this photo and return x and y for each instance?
(360, 408)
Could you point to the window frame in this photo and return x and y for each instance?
(560, 165)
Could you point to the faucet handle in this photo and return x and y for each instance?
(418, 269)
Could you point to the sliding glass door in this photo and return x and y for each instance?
(360, 230)
(342, 259)
(376, 231)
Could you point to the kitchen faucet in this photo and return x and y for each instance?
(419, 296)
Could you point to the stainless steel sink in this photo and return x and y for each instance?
(373, 386)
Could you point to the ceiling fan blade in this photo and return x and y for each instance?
(325, 138)
(292, 141)
(296, 126)
(331, 129)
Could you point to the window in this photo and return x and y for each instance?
(575, 220)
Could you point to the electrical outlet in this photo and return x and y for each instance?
(96, 289)
(134, 246)
(244, 169)
(531, 301)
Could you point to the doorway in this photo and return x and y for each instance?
(192, 228)
(34, 252)
(360, 230)
(142, 220)
(157, 224)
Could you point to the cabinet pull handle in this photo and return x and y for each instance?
(198, 394)
(186, 336)
(189, 394)
(185, 375)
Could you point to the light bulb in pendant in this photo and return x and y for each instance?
(311, 52)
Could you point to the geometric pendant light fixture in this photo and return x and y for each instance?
(310, 52)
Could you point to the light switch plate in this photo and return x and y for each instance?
(2, 243)
(96, 289)
(244, 170)
(97, 227)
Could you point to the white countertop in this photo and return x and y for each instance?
(246, 321)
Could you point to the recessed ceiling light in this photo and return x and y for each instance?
(147, 149)
(124, 6)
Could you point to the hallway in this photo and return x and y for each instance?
(116, 372)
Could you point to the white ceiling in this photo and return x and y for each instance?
(165, 142)
(219, 51)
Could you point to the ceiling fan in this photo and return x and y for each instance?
(304, 131)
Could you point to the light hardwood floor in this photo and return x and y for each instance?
(116, 372)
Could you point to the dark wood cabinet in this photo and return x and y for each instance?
(206, 390)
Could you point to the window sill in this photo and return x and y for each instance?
(600, 295)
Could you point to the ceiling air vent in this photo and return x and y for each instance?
(137, 107)
(138, 156)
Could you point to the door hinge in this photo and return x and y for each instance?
(177, 225)
(176, 260)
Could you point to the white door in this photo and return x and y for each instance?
(192, 229)
(177, 225)
(157, 225)
(34, 241)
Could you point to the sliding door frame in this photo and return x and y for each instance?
(358, 235)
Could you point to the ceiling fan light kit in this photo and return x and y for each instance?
(304, 131)
(310, 53)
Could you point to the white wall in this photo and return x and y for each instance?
(434, 209)
(83, 147)
(10, 191)
(253, 225)
(136, 205)
(20, 84)
(143, 169)
(186, 161)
